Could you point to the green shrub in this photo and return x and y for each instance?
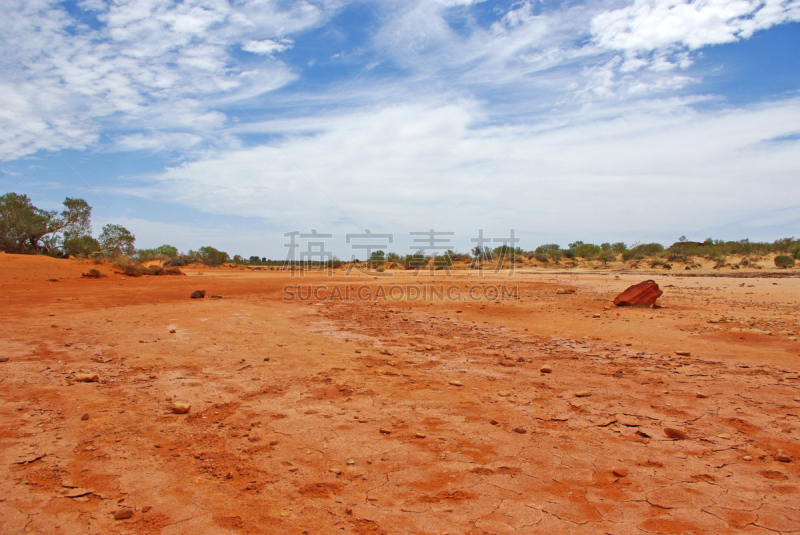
(94, 274)
(542, 257)
(796, 253)
(132, 270)
(784, 261)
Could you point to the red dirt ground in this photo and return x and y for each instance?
(429, 400)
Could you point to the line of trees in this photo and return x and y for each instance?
(26, 229)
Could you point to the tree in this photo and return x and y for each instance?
(210, 256)
(117, 240)
(167, 250)
(82, 245)
(27, 229)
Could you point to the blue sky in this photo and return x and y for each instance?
(230, 123)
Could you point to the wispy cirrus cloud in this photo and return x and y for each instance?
(151, 67)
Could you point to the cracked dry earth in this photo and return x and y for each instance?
(389, 417)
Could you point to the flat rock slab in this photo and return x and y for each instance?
(643, 294)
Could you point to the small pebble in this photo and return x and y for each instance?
(456, 383)
(3, 359)
(747, 458)
(546, 369)
(726, 436)
(701, 395)
(671, 432)
(520, 430)
(620, 472)
(583, 394)
(181, 407)
(782, 456)
(87, 377)
(351, 462)
(683, 353)
(386, 431)
(85, 416)
(172, 331)
(122, 514)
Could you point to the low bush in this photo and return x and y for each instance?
(132, 270)
(542, 257)
(93, 274)
(784, 261)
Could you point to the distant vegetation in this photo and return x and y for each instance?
(26, 229)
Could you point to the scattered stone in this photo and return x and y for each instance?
(181, 407)
(420, 435)
(642, 294)
(336, 471)
(677, 434)
(504, 393)
(198, 294)
(87, 377)
(494, 422)
(583, 394)
(123, 514)
(173, 331)
(386, 431)
(683, 353)
(747, 458)
(147, 508)
(520, 430)
(725, 436)
(456, 383)
(782, 456)
(620, 472)
(85, 416)
(560, 291)
(701, 395)
(546, 369)
(596, 316)
(3, 359)
(351, 462)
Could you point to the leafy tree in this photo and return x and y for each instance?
(167, 250)
(619, 247)
(27, 229)
(210, 256)
(82, 245)
(393, 257)
(237, 259)
(117, 240)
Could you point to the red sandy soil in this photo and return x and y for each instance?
(284, 394)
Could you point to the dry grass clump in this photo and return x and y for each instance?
(93, 274)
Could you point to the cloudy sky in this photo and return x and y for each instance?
(230, 123)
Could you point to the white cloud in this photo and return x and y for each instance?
(411, 165)
(652, 24)
(64, 83)
(267, 46)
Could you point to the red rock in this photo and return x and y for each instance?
(620, 472)
(85, 416)
(520, 430)
(783, 457)
(675, 433)
(198, 294)
(642, 294)
(122, 514)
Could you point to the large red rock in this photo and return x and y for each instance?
(643, 294)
